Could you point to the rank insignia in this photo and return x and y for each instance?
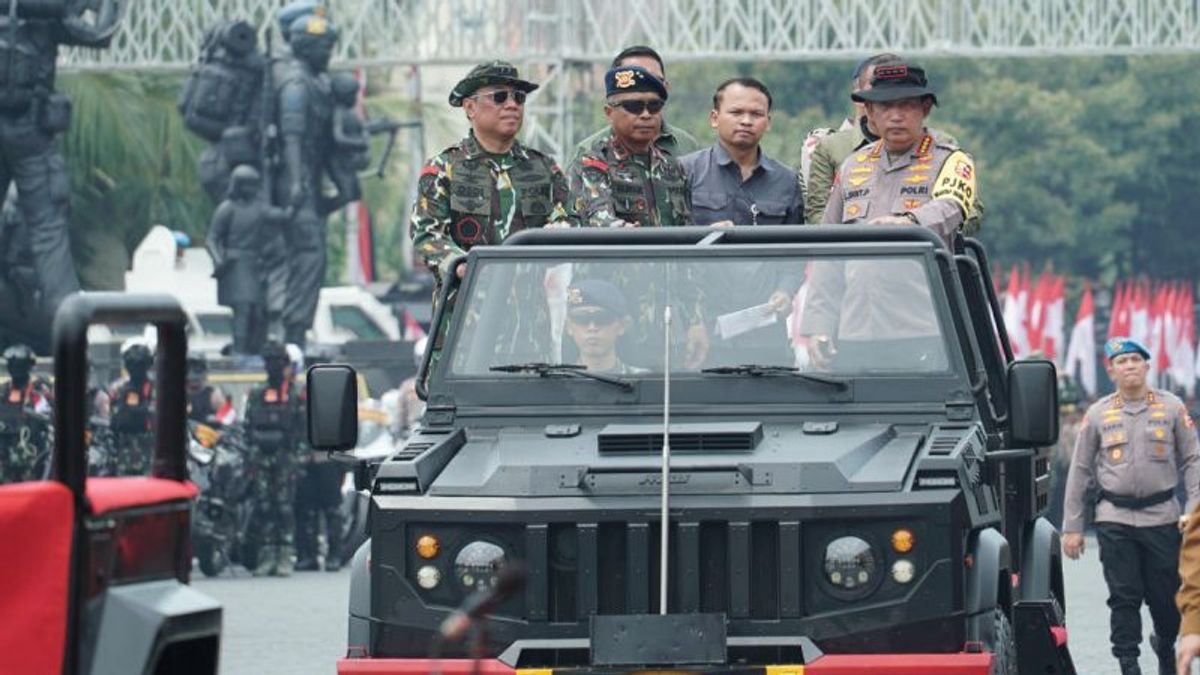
(858, 181)
(1116, 454)
(853, 210)
(1160, 434)
(917, 178)
(862, 169)
(926, 142)
(860, 157)
(271, 396)
(910, 204)
(920, 167)
(624, 79)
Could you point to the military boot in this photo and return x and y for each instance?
(268, 558)
(333, 564)
(1129, 665)
(283, 564)
(307, 565)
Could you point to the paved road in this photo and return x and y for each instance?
(298, 625)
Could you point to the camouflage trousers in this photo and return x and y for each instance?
(274, 491)
(319, 498)
(20, 457)
(130, 455)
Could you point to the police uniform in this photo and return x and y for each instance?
(274, 415)
(1136, 452)
(132, 424)
(611, 186)
(24, 426)
(468, 196)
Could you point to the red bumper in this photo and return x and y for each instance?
(833, 664)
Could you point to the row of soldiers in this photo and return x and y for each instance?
(292, 491)
(884, 166)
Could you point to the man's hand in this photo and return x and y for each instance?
(780, 302)
(557, 225)
(1187, 649)
(1072, 544)
(890, 220)
(821, 351)
(1183, 521)
(461, 270)
(722, 223)
(697, 346)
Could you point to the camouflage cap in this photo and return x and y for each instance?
(895, 81)
(494, 72)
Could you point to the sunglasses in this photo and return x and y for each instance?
(599, 318)
(500, 96)
(636, 107)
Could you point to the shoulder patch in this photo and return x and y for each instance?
(429, 170)
(594, 163)
(956, 181)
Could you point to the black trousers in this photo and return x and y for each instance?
(1141, 564)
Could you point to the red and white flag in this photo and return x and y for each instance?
(1014, 314)
(1052, 325)
(1118, 324)
(1081, 352)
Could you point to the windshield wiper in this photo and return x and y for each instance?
(760, 370)
(571, 369)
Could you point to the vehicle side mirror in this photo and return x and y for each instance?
(1033, 402)
(332, 407)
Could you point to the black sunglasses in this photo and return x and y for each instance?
(602, 317)
(636, 107)
(500, 96)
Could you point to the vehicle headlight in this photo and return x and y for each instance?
(478, 565)
(850, 564)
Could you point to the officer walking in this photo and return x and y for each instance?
(318, 500)
(1135, 445)
(131, 414)
(490, 185)
(25, 411)
(274, 415)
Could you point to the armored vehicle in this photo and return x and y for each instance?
(869, 504)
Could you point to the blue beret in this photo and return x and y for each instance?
(597, 293)
(1124, 345)
(626, 79)
(294, 10)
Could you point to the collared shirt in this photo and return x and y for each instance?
(1133, 449)
(770, 196)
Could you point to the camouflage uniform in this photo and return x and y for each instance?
(672, 140)
(469, 197)
(24, 430)
(132, 427)
(612, 187)
(273, 417)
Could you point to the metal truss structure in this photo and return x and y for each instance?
(556, 37)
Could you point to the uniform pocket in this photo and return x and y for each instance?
(1114, 442)
(1161, 439)
(856, 211)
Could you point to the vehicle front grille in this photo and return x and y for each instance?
(748, 570)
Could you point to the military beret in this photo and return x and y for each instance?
(313, 25)
(627, 79)
(1124, 345)
(895, 81)
(294, 10)
(597, 293)
(494, 72)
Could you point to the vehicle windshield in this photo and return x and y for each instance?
(872, 315)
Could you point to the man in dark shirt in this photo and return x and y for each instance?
(735, 183)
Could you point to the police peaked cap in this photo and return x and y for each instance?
(493, 72)
(1124, 345)
(629, 79)
(896, 81)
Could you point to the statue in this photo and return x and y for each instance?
(351, 142)
(240, 227)
(33, 115)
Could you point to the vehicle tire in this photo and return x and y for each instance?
(212, 561)
(1004, 645)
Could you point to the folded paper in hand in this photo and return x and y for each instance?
(734, 324)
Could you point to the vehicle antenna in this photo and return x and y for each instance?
(663, 558)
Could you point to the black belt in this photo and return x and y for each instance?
(1127, 502)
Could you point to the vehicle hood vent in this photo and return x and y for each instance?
(647, 439)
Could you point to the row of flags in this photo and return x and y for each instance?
(1159, 314)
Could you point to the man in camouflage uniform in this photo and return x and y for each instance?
(273, 419)
(24, 419)
(624, 179)
(671, 139)
(489, 185)
(131, 411)
(831, 150)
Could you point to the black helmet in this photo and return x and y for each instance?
(274, 351)
(19, 359)
(137, 355)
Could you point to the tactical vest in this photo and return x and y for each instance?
(271, 418)
(631, 187)
(474, 200)
(133, 409)
(27, 56)
(12, 409)
(200, 407)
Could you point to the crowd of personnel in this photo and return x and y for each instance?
(295, 493)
